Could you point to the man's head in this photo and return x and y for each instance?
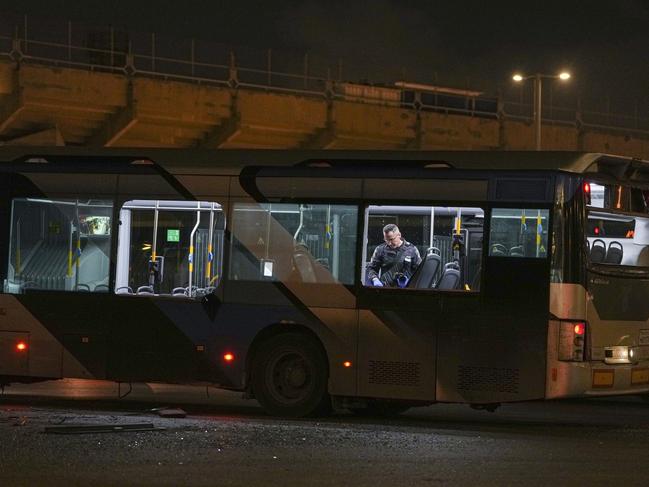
(392, 236)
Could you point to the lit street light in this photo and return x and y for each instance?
(537, 97)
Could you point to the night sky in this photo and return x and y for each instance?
(463, 43)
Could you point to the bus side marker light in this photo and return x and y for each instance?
(228, 357)
(21, 346)
(603, 378)
(347, 364)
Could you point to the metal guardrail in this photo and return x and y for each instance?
(113, 51)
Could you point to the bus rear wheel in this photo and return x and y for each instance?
(289, 376)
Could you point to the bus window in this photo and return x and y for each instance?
(519, 233)
(171, 248)
(311, 243)
(59, 244)
(437, 247)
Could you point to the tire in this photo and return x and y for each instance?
(380, 409)
(290, 375)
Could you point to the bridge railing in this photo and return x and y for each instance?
(137, 54)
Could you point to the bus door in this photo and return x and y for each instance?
(499, 354)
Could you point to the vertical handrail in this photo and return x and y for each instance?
(539, 230)
(335, 251)
(191, 249)
(70, 240)
(154, 244)
(78, 256)
(210, 255)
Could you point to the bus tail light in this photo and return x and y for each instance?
(572, 340)
(586, 189)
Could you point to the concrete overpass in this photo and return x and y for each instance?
(48, 100)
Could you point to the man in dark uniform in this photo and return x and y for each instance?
(396, 260)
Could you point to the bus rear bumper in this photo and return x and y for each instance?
(592, 379)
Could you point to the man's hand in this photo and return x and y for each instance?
(377, 282)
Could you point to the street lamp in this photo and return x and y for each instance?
(519, 78)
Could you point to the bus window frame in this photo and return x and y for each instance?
(524, 206)
(229, 237)
(484, 205)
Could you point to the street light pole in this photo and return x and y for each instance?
(538, 96)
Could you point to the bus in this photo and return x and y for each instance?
(247, 270)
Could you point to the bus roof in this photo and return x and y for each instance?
(231, 161)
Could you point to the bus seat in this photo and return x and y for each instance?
(179, 292)
(498, 250)
(614, 253)
(427, 271)
(303, 264)
(517, 251)
(450, 277)
(101, 288)
(144, 290)
(124, 290)
(598, 251)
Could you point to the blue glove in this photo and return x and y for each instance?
(376, 282)
(402, 281)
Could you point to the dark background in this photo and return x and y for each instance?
(465, 44)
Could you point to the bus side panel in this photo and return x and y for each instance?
(329, 311)
(494, 350)
(42, 356)
(397, 342)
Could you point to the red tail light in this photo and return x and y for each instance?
(572, 340)
(228, 357)
(21, 346)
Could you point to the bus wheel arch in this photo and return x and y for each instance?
(288, 371)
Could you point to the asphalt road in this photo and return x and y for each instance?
(227, 441)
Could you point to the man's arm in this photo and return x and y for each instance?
(417, 259)
(374, 266)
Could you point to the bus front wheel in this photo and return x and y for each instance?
(289, 376)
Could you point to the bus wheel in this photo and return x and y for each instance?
(289, 376)
(378, 408)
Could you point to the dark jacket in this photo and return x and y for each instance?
(392, 262)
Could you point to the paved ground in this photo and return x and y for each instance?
(227, 441)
